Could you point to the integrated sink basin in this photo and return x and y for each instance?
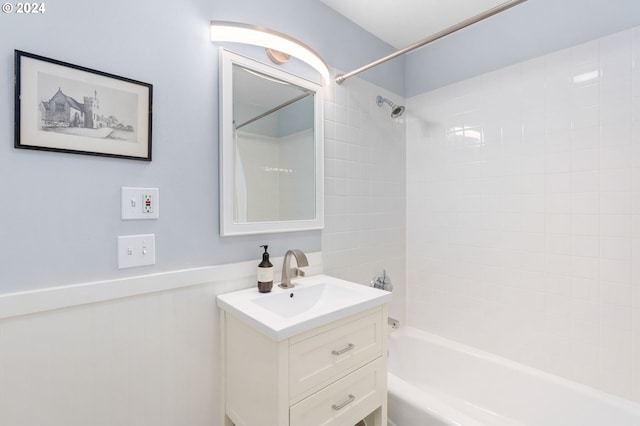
(314, 301)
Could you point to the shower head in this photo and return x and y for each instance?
(396, 110)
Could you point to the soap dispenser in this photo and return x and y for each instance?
(265, 273)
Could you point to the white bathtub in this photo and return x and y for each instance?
(437, 382)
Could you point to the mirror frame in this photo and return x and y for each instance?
(226, 140)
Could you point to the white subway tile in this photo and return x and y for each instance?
(617, 111)
(618, 271)
(616, 157)
(588, 181)
(533, 204)
(549, 214)
(618, 225)
(534, 223)
(616, 203)
(585, 267)
(558, 115)
(584, 288)
(342, 132)
(586, 95)
(558, 306)
(341, 95)
(533, 262)
(586, 203)
(329, 111)
(616, 362)
(586, 312)
(635, 102)
(558, 182)
(587, 138)
(585, 116)
(585, 246)
(635, 179)
(558, 223)
(616, 317)
(585, 160)
(585, 224)
(560, 141)
(558, 203)
(619, 133)
(615, 180)
(635, 157)
(616, 248)
(558, 244)
(342, 114)
(558, 284)
(558, 162)
(586, 363)
(613, 293)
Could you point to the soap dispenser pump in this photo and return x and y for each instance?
(265, 273)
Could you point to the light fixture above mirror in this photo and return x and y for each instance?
(225, 31)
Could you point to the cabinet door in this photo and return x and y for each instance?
(346, 401)
(319, 360)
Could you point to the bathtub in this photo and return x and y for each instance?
(436, 382)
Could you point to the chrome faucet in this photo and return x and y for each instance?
(382, 281)
(287, 270)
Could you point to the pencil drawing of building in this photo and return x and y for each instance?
(64, 111)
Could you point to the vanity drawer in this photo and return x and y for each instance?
(344, 402)
(317, 361)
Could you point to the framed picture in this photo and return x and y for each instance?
(68, 108)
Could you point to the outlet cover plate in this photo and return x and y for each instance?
(140, 203)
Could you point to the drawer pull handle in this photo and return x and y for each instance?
(344, 404)
(341, 351)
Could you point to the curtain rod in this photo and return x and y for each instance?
(340, 78)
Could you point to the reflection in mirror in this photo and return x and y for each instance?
(274, 170)
(272, 150)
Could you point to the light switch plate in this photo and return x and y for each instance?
(136, 250)
(140, 203)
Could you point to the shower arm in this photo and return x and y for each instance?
(340, 78)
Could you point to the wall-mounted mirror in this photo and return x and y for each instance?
(271, 149)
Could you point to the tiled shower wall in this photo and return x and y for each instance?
(364, 188)
(523, 213)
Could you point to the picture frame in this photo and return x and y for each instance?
(64, 107)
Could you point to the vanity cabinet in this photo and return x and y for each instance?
(332, 375)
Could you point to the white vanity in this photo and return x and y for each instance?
(312, 355)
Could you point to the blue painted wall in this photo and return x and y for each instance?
(60, 213)
(531, 29)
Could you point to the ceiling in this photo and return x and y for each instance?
(404, 22)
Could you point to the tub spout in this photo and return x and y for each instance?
(393, 323)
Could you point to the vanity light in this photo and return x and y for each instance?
(224, 31)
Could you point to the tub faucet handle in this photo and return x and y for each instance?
(382, 281)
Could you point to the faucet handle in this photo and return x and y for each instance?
(296, 272)
(382, 281)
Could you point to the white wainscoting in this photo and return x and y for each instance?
(136, 351)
